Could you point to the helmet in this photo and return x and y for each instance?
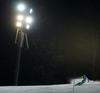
(84, 75)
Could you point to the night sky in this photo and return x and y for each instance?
(63, 39)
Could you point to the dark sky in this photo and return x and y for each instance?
(63, 39)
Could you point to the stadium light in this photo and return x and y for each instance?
(27, 26)
(21, 7)
(21, 34)
(20, 17)
(28, 20)
(31, 10)
(19, 24)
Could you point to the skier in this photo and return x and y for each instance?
(83, 81)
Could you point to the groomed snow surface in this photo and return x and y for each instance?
(91, 87)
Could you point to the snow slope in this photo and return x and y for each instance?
(91, 87)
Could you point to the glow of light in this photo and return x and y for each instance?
(21, 7)
(28, 20)
(20, 17)
(28, 26)
(19, 24)
(31, 10)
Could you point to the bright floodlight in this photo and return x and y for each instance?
(19, 24)
(28, 26)
(30, 10)
(28, 20)
(20, 17)
(21, 7)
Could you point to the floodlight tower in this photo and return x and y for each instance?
(23, 22)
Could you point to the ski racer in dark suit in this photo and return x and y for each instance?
(83, 81)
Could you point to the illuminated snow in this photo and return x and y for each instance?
(91, 87)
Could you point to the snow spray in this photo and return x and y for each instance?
(74, 82)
